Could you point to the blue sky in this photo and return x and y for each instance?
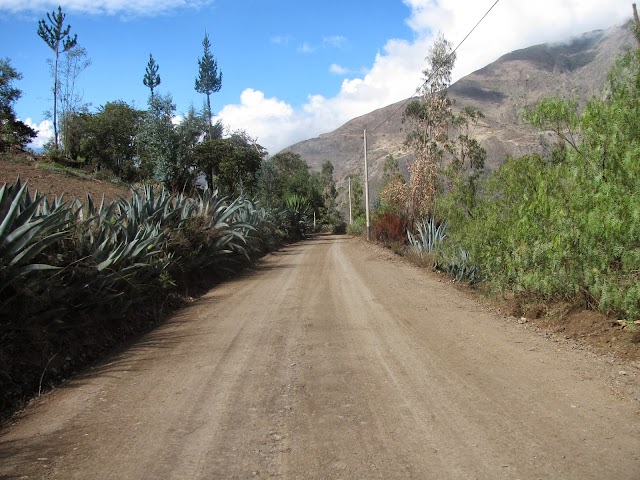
(292, 69)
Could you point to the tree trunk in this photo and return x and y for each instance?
(55, 100)
(209, 114)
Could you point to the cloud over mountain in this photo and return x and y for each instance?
(395, 72)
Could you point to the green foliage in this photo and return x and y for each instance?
(327, 185)
(568, 228)
(286, 175)
(209, 80)
(358, 227)
(107, 138)
(357, 197)
(189, 133)
(298, 212)
(231, 164)
(390, 171)
(151, 78)
(13, 132)
(27, 227)
(61, 260)
(158, 140)
(74, 62)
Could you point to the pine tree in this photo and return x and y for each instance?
(55, 36)
(151, 78)
(209, 80)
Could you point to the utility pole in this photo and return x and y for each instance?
(350, 210)
(366, 187)
(636, 23)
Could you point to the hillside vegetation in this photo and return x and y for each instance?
(565, 226)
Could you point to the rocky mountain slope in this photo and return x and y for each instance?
(577, 68)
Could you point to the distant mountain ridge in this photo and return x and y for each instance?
(577, 68)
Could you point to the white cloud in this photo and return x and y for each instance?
(101, 7)
(338, 70)
(396, 71)
(306, 48)
(336, 41)
(281, 40)
(273, 121)
(45, 132)
(510, 25)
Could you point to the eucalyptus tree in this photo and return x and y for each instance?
(430, 117)
(151, 78)
(446, 156)
(57, 38)
(73, 63)
(209, 79)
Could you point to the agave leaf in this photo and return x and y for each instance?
(14, 198)
(27, 254)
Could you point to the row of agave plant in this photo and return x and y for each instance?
(61, 260)
(76, 278)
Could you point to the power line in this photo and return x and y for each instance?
(438, 69)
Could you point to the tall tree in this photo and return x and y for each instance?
(151, 78)
(328, 185)
(431, 117)
(56, 36)
(209, 80)
(73, 63)
(107, 139)
(158, 140)
(12, 131)
(230, 164)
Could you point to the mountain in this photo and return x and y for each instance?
(577, 69)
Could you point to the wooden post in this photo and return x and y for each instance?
(636, 23)
(350, 209)
(366, 187)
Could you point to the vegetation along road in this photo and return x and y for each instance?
(333, 359)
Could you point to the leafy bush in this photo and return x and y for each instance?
(567, 227)
(389, 227)
(358, 227)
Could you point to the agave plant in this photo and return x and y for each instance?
(298, 211)
(430, 236)
(461, 268)
(26, 231)
(264, 234)
(213, 231)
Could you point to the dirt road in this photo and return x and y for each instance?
(333, 361)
